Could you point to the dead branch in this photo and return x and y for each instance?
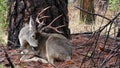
(93, 13)
(109, 23)
(8, 58)
(110, 20)
(109, 56)
(103, 27)
(97, 33)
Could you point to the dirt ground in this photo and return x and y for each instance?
(81, 56)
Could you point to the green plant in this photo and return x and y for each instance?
(114, 4)
(3, 14)
(3, 23)
(2, 66)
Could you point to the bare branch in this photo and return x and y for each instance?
(110, 22)
(93, 13)
(109, 56)
(8, 58)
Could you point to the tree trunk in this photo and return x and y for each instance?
(87, 5)
(20, 10)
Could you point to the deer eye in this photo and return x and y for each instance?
(33, 36)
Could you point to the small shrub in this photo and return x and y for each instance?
(3, 14)
(114, 4)
(3, 17)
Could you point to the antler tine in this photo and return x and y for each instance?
(54, 28)
(60, 26)
(37, 19)
(44, 10)
(44, 17)
(55, 19)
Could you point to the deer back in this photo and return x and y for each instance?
(59, 46)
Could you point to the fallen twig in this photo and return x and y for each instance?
(8, 58)
(109, 56)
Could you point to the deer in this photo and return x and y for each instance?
(27, 32)
(48, 46)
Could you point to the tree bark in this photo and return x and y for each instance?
(20, 10)
(87, 5)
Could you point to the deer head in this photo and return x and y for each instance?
(29, 34)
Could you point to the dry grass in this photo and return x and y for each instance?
(77, 26)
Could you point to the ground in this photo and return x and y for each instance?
(81, 45)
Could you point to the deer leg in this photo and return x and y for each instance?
(42, 60)
(50, 59)
(26, 59)
(23, 44)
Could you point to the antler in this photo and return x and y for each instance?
(50, 25)
(37, 18)
(54, 28)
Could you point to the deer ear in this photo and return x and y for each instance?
(31, 23)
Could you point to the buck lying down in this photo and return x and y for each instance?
(52, 47)
(49, 46)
